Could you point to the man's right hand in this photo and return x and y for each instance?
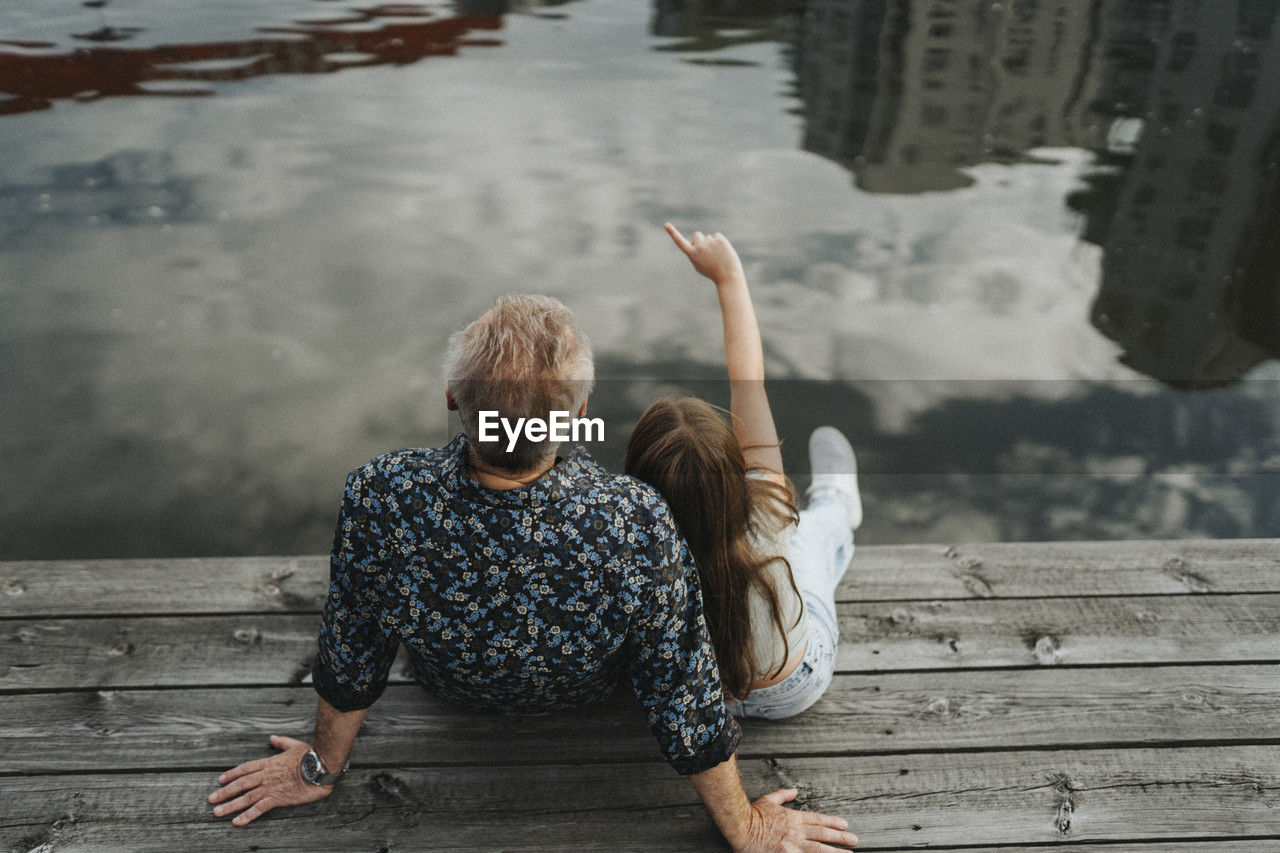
(776, 829)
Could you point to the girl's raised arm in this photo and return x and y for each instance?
(753, 425)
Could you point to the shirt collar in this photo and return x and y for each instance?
(563, 479)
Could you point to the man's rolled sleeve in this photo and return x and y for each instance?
(673, 666)
(355, 650)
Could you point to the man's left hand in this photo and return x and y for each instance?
(267, 783)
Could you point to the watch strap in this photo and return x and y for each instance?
(325, 777)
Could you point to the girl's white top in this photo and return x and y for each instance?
(771, 651)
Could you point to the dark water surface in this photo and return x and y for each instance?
(1026, 253)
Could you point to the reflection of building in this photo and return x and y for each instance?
(910, 93)
(839, 76)
(33, 76)
(1186, 214)
(701, 22)
(1180, 98)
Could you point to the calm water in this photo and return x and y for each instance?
(1025, 253)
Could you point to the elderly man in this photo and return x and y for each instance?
(518, 581)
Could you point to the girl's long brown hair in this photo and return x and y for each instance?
(683, 448)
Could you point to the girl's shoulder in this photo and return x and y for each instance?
(773, 511)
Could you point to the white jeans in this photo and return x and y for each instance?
(820, 552)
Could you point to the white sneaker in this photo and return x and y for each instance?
(835, 469)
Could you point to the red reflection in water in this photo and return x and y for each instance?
(33, 81)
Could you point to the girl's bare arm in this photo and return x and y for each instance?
(753, 425)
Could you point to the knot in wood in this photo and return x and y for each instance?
(14, 588)
(970, 563)
(941, 705)
(900, 615)
(1194, 698)
(1062, 784)
(121, 649)
(950, 552)
(27, 635)
(269, 589)
(1046, 650)
(1176, 567)
(1147, 616)
(388, 788)
(1062, 822)
(247, 636)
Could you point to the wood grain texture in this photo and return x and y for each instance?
(1124, 694)
(224, 585)
(1197, 845)
(169, 650)
(881, 572)
(1033, 569)
(48, 654)
(885, 635)
(1070, 709)
(890, 801)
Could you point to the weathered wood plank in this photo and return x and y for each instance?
(875, 636)
(891, 801)
(1200, 845)
(214, 729)
(1031, 569)
(1028, 632)
(216, 585)
(886, 572)
(140, 651)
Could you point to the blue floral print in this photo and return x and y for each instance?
(536, 599)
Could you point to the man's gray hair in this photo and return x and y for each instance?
(523, 358)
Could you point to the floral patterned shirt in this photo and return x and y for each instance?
(541, 598)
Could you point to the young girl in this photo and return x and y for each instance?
(768, 573)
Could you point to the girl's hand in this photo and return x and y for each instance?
(712, 256)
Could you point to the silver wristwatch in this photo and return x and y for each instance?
(314, 773)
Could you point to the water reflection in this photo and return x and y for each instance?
(910, 179)
(710, 25)
(1179, 99)
(1184, 200)
(909, 94)
(129, 187)
(33, 75)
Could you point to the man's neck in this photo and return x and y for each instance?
(496, 478)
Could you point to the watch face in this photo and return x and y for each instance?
(310, 767)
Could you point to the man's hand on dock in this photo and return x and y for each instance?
(264, 784)
(773, 827)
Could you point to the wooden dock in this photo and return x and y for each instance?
(1103, 696)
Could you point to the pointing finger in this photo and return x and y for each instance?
(684, 244)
